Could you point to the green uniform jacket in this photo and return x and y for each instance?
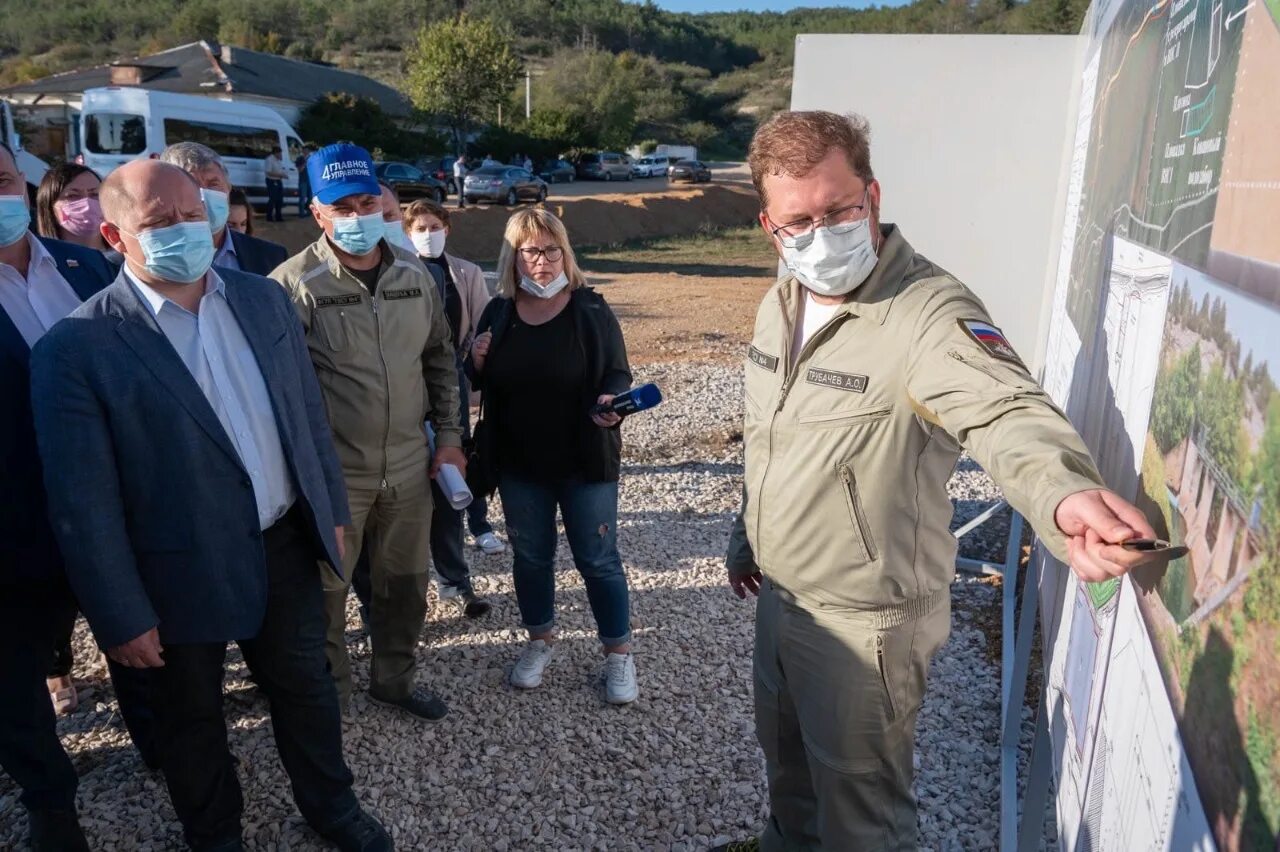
(385, 362)
(848, 450)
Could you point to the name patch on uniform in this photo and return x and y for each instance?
(991, 339)
(769, 362)
(411, 293)
(851, 382)
(330, 301)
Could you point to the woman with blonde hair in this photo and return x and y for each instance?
(548, 350)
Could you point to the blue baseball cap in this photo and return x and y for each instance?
(339, 170)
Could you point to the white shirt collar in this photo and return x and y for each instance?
(155, 301)
(39, 255)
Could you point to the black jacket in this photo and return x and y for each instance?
(605, 353)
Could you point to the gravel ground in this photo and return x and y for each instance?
(557, 768)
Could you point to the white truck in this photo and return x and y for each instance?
(676, 152)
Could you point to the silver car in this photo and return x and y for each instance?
(507, 185)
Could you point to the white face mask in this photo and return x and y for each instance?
(429, 243)
(552, 287)
(834, 264)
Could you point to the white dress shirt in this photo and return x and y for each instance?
(214, 349)
(38, 300)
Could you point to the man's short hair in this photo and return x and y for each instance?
(115, 198)
(192, 157)
(425, 207)
(391, 189)
(793, 143)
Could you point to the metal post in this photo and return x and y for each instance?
(528, 94)
(1015, 658)
(499, 115)
(1036, 796)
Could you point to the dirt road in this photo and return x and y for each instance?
(691, 299)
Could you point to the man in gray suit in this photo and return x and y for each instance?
(193, 486)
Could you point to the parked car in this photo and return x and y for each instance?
(604, 165)
(557, 171)
(650, 166)
(411, 182)
(441, 168)
(691, 170)
(504, 184)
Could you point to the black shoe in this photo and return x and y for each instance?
(752, 845)
(54, 830)
(472, 606)
(361, 833)
(419, 703)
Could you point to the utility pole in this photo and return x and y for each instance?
(528, 93)
(499, 115)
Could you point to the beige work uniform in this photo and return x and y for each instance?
(385, 362)
(845, 511)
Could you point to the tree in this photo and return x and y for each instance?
(461, 70)
(1267, 468)
(1173, 407)
(1220, 410)
(342, 116)
(599, 90)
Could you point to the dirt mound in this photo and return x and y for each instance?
(605, 219)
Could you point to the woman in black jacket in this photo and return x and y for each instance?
(548, 350)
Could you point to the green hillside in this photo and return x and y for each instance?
(705, 78)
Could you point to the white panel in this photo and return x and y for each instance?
(969, 136)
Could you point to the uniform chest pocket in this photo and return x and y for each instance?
(333, 323)
(846, 417)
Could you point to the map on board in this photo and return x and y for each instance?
(1163, 690)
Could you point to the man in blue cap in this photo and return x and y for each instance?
(380, 343)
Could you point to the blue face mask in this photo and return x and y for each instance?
(15, 218)
(358, 235)
(218, 205)
(178, 254)
(394, 233)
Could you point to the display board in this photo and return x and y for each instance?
(1164, 348)
(952, 117)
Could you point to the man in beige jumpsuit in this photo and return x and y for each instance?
(382, 350)
(869, 370)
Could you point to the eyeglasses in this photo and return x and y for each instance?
(799, 234)
(531, 254)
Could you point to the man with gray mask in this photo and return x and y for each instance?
(381, 346)
(233, 249)
(869, 370)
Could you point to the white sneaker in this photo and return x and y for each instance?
(490, 543)
(620, 685)
(527, 673)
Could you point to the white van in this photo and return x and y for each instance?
(119, 124)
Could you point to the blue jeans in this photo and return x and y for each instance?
(590, 512)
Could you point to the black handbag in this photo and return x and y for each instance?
(482, 471)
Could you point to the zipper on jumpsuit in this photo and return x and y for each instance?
(386, 383)
(790, 372)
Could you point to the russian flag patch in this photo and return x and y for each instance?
(990, 338)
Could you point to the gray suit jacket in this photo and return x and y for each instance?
(151, 506)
